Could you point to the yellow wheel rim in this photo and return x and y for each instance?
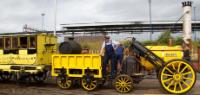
(123, 84)
(64, 84)
(89, 86)
(177, 77)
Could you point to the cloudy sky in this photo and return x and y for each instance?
(16, 13)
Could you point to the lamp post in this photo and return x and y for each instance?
(195, 35)
(150, 20)
(55, 17)
(43, 14)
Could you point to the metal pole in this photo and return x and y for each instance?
(43, 14)
(195, 35)
(55, 17)
(150, 20)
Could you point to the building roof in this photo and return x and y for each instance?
(129, 26)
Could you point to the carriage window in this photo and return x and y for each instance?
(32, 42)
(8, 42)
(15, 42)
(23, 42)
(1, 43)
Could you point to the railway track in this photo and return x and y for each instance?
(147, 86)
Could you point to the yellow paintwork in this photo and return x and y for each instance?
(45, 46)
(166, 53)
(77, 61)
(179, 81)
(148, 65)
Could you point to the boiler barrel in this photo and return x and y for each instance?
(70, 47)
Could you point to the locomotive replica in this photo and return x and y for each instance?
(32, 56)
(176, 76)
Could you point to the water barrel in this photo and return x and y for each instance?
(70, 47)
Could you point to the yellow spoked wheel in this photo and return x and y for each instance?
(123, 83)
(64, 83)
(177, 77)
(89, 85)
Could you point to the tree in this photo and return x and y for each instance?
(164, 38)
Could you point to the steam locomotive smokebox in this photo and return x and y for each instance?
(70, 47)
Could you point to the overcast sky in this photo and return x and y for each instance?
(16, 13)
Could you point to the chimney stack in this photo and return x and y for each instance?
(187, 22)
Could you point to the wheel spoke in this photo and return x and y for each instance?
(175, 84)
(124, 89)
(126, 80)
(169, 70)
(187, 78)
(179, 66)
(180, 85)
(186, 73)
(173, 67)
(127, 88)
(170, 84)
(167, 75)
(93, 84)
(128, 83)
(185, 83)
(183, 69)
(117, 82)
(169, 79)
(118, 87)
(121, 79)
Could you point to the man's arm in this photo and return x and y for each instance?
(102, 48)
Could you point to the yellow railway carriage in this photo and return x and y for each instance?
(26, 54)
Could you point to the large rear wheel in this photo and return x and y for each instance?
(177, 77)
(123, 83)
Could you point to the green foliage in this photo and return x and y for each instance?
(126, 43)
(178, 41)
(148, 42)
(163, 39)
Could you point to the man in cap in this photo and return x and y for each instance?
(109, 54)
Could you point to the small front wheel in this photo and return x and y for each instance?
(64, 82)
(123, 83)
(89, 85)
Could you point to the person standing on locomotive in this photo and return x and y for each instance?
(119, 55)
(109, 54)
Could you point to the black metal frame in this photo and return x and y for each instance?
(141, 50)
